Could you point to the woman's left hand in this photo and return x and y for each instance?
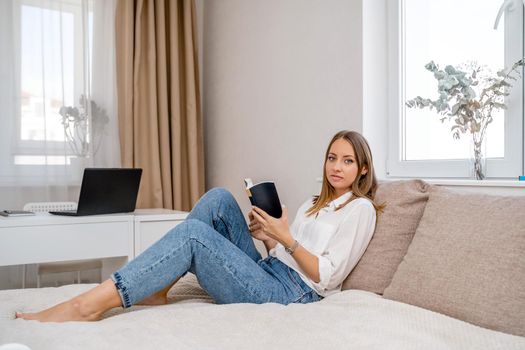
(277, 229)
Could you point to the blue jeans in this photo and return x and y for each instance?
(215, 244)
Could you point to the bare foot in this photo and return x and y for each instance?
(88, 306)
(71, 310)
(159, 298)
(155, 299)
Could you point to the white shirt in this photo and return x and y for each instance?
(338, 239)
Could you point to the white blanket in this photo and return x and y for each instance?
(350, 319)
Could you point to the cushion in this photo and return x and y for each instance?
(405, 202)
(467, 260)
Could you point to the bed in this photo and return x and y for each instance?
(350, 319)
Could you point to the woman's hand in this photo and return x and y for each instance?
(256, 229)
(279, 230)
(257, 232)
(276, 229)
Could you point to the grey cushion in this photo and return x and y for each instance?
(467, 260)
(405, 202)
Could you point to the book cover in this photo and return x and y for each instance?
(264, 195)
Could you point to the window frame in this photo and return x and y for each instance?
(510, 166)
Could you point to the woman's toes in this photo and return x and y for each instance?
(24, 316)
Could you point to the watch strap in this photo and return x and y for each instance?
(290, 250)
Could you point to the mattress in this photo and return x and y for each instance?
(350, 319)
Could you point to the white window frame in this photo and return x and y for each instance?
(510, 166)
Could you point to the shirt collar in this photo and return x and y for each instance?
(339, 200)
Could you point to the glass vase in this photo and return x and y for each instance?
(478, 160)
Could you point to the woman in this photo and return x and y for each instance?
(307, 261)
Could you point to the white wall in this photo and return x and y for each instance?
(280, 78)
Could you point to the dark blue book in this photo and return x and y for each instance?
(264, 195)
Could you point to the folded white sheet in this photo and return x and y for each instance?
(351, 319)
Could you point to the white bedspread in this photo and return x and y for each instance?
(351, 319)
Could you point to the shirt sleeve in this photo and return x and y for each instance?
(347, 245)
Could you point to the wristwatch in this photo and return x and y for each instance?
(292, 249)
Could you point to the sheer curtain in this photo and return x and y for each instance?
(58, 111)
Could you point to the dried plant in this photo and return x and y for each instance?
(83, 125)
(469, 95)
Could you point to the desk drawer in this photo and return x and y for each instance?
(39, 244)
(149, 232)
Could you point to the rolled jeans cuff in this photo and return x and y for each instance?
(121, 289)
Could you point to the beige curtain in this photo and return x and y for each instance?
(158, 100)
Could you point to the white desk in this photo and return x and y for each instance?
(48, 238)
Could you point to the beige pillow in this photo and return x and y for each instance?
(405, 202)
(467, 260)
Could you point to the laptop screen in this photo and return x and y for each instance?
(109, 190)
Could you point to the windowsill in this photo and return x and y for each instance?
(459, 182)
(468, 182)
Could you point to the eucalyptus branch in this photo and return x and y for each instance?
(460, 84)
(469, 113)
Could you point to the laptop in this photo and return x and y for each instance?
(106, 191)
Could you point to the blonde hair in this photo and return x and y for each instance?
(364, 186)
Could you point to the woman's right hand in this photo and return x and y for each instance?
(256, 229)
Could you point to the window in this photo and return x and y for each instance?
(47, 46)
(52, 75)
(56, 54)
(447, 32)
